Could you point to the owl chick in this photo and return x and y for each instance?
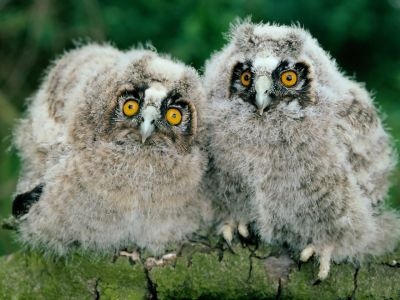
(111, 155)
(297, 148)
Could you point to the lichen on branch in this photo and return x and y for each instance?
(206, 269)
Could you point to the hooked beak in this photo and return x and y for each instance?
(147, 127)
(262, 85)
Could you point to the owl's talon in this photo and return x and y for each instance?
(325, 262)
(134, 256)
(243, 231)
(169, 257)
(152, 262)
(227, 233)
(307, 253)
(323, 272)
(324, 257)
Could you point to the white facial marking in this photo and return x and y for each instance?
(155, 93)
(266, 64)
(262, 85)
(149, 114)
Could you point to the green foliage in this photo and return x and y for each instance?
(361, 34)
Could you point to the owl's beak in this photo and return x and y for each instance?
(262, 85)
(149, 114)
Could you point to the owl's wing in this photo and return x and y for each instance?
(41, 135)
(23, 202)
(368, 147)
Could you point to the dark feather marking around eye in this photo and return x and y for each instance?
(23, 202)
(300, 68)
(173, 99)
(135, 92)
(238, 69)
(301, 90)
(173, 96)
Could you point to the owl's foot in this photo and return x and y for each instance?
(242, 229)
(324, 262)
(165, 259)
(228, 228)
(307, 253)
(134, 256)
(324, 256)
(227, 232)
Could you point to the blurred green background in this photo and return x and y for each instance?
(363, 35)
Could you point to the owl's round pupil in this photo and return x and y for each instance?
(173, 116)
(289, 78)
(130, 108)
(246, 77)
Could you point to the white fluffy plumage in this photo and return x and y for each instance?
(303, 156)
(90, 178)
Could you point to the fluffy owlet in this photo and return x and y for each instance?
(111, 155)
(297, 147)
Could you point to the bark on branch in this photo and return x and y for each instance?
(204, 268)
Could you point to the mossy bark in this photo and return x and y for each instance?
(202, 270)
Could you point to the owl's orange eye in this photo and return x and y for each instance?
(173, 116)
(131, 108)
(289, 78)
(245, 78)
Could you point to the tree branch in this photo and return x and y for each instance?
(204, 269)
